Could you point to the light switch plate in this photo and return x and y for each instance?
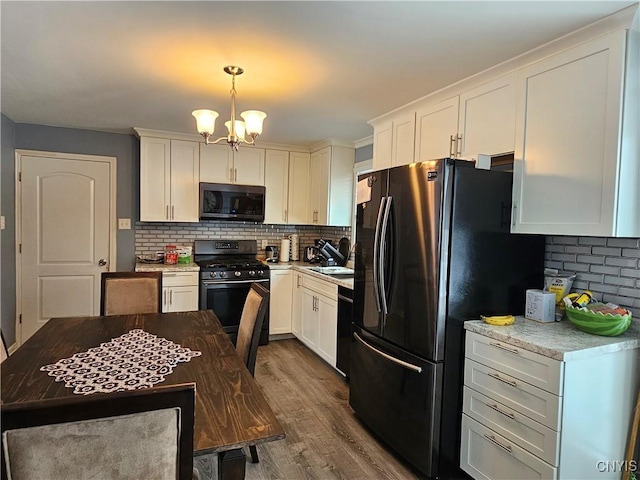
(124, 224)
(264, 243)
(2, 224)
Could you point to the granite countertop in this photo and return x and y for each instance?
(161, 267)
(306, 268)
(557, 340)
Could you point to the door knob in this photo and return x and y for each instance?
(102, 262)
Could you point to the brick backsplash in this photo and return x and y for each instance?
(608, 267)
(152, 237)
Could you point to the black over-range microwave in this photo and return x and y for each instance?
(221, 201)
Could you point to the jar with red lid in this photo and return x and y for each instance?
(170, 255)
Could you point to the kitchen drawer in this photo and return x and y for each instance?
(319, 286)
(177, 279)
(535, 403)
(517, 428)
(487, 455)
(530, 367)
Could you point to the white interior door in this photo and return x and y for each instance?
(66, 216)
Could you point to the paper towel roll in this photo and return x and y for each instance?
(284, 250)
(295, 247)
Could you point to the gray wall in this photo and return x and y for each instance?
(126, 149)
(8, 235)
(364, 153)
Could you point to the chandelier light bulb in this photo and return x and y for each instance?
(239, 128)
(205, 121)
(253, 120)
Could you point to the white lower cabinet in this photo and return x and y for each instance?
(280, 301)
(315, 318)
(529, 416)
(179, 291)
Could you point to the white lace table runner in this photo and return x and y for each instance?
(134, 360)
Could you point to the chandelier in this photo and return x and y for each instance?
(252, 124)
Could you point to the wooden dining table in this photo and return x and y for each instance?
(231, 411)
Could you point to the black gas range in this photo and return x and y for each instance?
(227, 270)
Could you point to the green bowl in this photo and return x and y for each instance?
(598, 324)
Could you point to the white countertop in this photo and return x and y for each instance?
(557, 340)
(306, 268)
(161, 267)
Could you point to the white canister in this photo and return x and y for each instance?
(295, 247)
(284, 250)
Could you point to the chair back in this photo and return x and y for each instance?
(145, 433)
(4, 353)
(255, 308)
(125, 293)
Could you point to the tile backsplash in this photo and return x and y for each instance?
(152, 237)
(608, 267)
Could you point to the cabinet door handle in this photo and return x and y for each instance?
(491, 438)
(164, 298)
(285, 216)
(235, 174)
(166, 213)
(170, 297)
(298, 281)
(458, 145)
(231, 175)
(173, 212)
(503, 380)
(514, 215)
(451, 147)
(507, 349)
(497, 409)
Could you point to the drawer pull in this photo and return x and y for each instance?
(491, 438)
(502, 347)
(497, 409)
(498, 377)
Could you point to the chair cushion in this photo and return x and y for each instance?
(125, 296)
(137, 446)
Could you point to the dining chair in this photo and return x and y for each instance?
(4, 353)
(124, 293)
(146, 433)
(253, 313)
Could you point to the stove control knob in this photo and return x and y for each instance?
(260, 272)
(237, 274)
(223, 274)
(212, 274)
(252, 273)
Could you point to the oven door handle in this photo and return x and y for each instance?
(227, 282)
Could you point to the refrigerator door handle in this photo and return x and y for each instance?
(376, 254)
(383, 256)
(402, 363)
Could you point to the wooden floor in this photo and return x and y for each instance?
(324, 439)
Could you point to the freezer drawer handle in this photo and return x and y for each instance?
(497, 409)
(502, 347)
(402, 363)
(491, 438)
(498, 377)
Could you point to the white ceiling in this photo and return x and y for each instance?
(319, 69)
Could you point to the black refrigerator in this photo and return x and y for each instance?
(433, 250)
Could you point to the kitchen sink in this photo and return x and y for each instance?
(342, 271)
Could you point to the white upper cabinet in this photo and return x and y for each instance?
(487, 119)
(436, 130)
(220, 164)
(331, 192)
(169, 172)
(577, 170)
(319, 191)
(299, 187)
(382, 145)
(276, 183)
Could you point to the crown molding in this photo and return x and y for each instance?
(363, 142)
